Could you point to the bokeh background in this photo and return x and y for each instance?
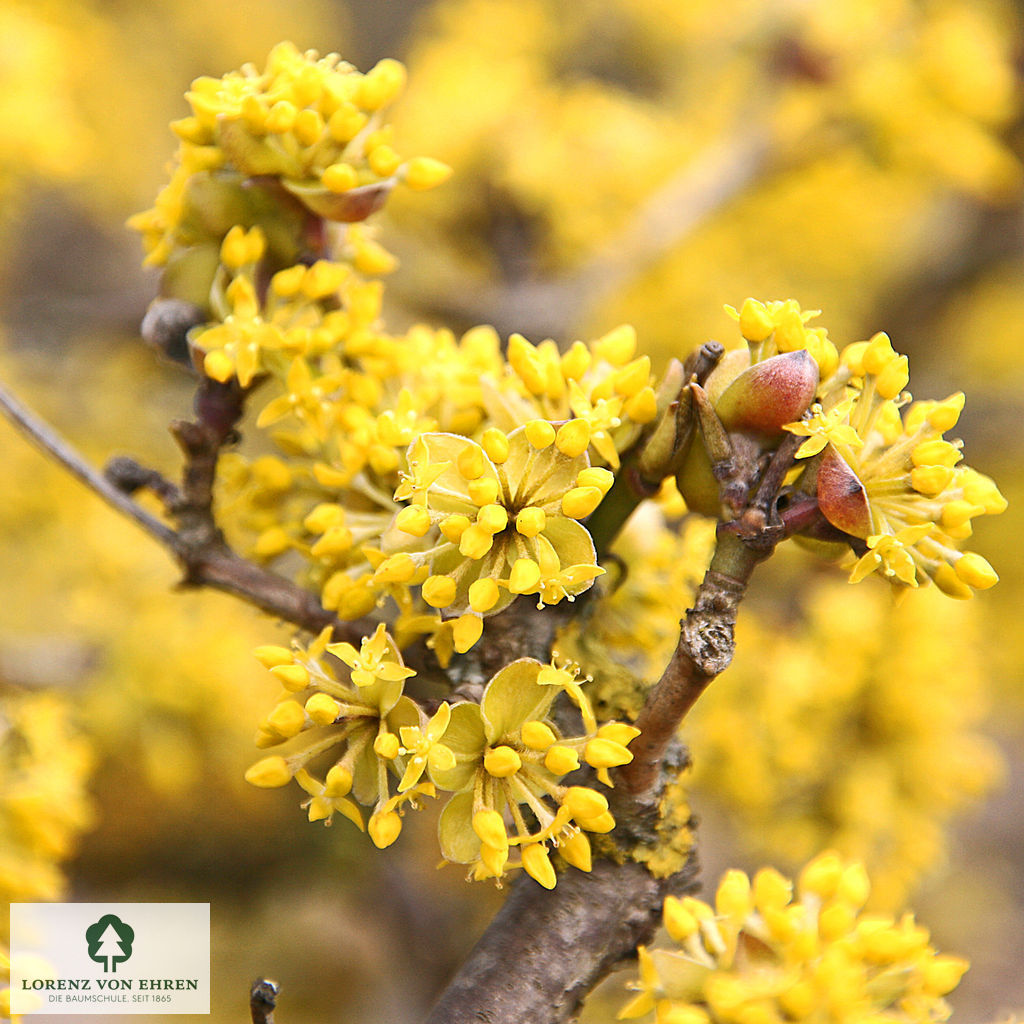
(615, 160)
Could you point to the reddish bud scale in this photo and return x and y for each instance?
(768, 394)
(841, 496)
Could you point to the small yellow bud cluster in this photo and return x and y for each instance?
(883, 474)
(312, 122)
(770, 328)
(607, 392)
(820, 957)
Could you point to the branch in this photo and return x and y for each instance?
(263, 1001)
(544, 951)
(197, 545)
(705, 649)
(44, 437)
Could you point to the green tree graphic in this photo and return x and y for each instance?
(110, 941)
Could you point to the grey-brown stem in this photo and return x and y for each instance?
(544, 951)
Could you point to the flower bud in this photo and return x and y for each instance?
(322, 708)
(679, 922)
(733, 895)
(424, 172)
(495, 443)
(756, 323)
(384, 828)
(536, 735)
(414, 520)
(490, 828)
(271, 655)
(561, 760)
(537, 865)
(539, 433)
(530, 521)
(602, 753)
(483, 594)
(975, 571)
(338, 782)
(502, 762)
(292, 677)
(524, 577)
(579, 502)
(576, 851)
(769, 394)
(582, 802)
(438, 591)
(619, 732)
(467, 630)
(287, 718)
(270, 773)
(494, 858)
(386, 745)
(942, 974)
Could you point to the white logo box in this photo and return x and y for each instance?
(107, 958)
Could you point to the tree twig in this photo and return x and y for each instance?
(263, 1000)
(200, 549)
(44, 437)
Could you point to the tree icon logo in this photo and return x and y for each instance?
(110, 942)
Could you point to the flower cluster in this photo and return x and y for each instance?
(420, 483)
(503, 759)
(500, 518)
(886, 482)
(763, 953)
(44, 764)
(884, 475)
(306, 127)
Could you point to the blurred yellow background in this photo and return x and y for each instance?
(643, 161)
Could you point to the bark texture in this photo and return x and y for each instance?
(544, 951)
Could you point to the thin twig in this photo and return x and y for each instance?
(704, 650)
(200, 549)
(44, 437)
(263, 1000)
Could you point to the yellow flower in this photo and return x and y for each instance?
(502, 529)
(505, 753)
(423, 748)
(377, 659)
(818, 955)
(883, 474)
